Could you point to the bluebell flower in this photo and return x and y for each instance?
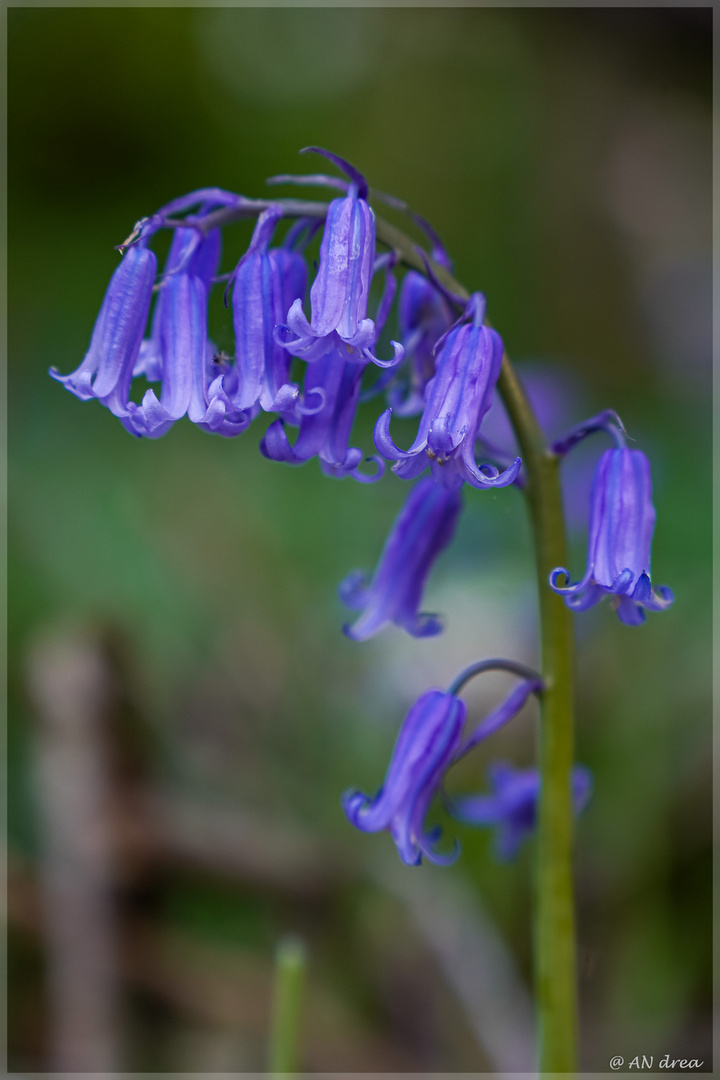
(265, 286)
(425, 749)
(429, 743)
(622, 520)
(331, 390)
(179, 352)
(190, 253)
(340, 292)
(107, 369)
(424, 527)
(456, 399)
(512, 808)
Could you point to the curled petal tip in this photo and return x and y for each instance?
(555, 575)
(443, 860)
(353, 802)
(320, 397)
(664, 595)
(370, 478)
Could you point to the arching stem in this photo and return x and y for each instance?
(555, 967)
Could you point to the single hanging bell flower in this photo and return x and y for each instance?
(467, 367)
(107, 369)
(424, 527)
(425, 749)
(622, 520)
(189, 253)
(289, 276)
(340, 292)
(429, 743)
(179, 351)
(265, 285)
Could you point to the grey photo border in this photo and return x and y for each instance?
(536, 4)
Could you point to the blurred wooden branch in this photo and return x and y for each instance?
(168, 829)
(223, 989)
(67, 679)
(102, 833)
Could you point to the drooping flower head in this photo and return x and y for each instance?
(512, 808)
(107, 369)
(622, 519)
(429, 743)
(467, 367)
(424, 527)
(266, 284)
(179, 352)
(425, 748)
(190, 254)
(340, 292)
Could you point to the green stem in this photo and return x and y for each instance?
(555, 971)
(290, 963)
(555, 968)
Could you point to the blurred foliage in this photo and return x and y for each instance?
(564, 157)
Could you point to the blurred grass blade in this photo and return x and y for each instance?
(290, 965)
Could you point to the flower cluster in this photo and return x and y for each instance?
(221, 394)
(444, 370)
(451, 363)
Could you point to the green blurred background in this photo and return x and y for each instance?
(565, 158)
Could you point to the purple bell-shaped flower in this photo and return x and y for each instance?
(456, 399)
(425, 749)
(429, 743)
(424, 527)
(622, 520)
(107, 368)
(340, 292)
(195, 381)
(266, 284)
(178, 351)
